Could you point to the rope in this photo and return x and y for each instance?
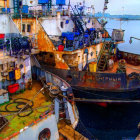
(19, 103)
(29, 110)
(22, 108)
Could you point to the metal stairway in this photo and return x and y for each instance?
(102, 63)
(103, 59)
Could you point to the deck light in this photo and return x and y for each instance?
(130, 41)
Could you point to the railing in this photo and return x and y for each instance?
(52, 78)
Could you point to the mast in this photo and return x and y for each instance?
(103, 22)
(69, 8)
(5, 5)
(105, 7)
(20, 5)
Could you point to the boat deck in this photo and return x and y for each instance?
(41, 104)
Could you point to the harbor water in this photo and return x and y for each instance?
(115, 121)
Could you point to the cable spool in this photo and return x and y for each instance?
(49, 84)
(54, 91)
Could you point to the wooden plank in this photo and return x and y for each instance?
(71, 134)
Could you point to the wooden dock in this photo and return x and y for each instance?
(71, 134)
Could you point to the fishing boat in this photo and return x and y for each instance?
(34, 103)
(73, 44)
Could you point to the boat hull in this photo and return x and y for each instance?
(90, 96)
(88, 85)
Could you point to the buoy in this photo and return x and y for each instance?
(60, 48)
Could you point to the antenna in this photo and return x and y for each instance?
(69, 3)
(105, 7)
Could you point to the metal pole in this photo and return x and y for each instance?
(21, 22)
(105, 100)
(6, 6)
(36, 42)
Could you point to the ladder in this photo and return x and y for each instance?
(102, 62)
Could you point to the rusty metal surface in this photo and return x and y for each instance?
(101, 81)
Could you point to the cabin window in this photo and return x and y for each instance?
(23, 27)
(61, 24)
(28, 28)
(45, 134)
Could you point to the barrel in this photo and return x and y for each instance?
(13, 88)
(60, 48)
(92, 66)
(2, 36)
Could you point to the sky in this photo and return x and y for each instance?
(131, 7)
(115, 6)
